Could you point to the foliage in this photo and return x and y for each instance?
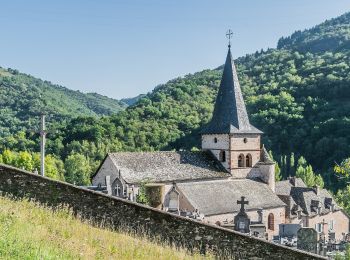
(297, 94)
(278, 176)
(142, 195)
(306, 173)
(343, 198)
(24, 97)
(77, 169)
(31, 162)
(343, 169)
(36, 232)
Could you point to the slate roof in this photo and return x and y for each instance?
(307, 199)
(304, 197)
(220, 196)
(230, 114)
(167, 166)
(285, 187)
(265, 157)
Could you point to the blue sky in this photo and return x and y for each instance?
(124, 48)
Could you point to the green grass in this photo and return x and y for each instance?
(31, 231)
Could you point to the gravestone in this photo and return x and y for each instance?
(258, 230)
(288, 230)
(241, 220)
(307, 239)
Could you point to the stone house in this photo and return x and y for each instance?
(207, 184)
(313, 207)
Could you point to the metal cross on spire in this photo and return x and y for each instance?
(229, 34)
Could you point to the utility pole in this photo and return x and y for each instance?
(42, 144)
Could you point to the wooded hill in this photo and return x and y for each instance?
(23, 97)
(298, 94)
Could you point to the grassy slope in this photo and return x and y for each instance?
(31, 231)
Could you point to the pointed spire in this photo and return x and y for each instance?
(230, 114)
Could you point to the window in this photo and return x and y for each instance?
(245, 140)
(215, 140)
(241, 160)
(331, 225)
(271, 222)
(222, 156)
(248, 160)
(319, 227)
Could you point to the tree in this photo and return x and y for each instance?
(24, 160)
(292, 164)
(343, 170)
(307, 174)
(54, 168)
(77, 169)
(343, 198)
(142, 196)
(278, 176)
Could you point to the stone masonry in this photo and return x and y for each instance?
(119, 214)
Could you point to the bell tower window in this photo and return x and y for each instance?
(241, 160)
(222, 156)
(248, 160)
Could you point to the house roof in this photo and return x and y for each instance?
(220, 196)
(308, 199)
(284, 187)
(230, 114)
(136, 167)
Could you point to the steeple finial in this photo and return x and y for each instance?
(229, 34)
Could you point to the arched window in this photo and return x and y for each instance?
(215, 140)
(248, 160)
(271, 222)
(241, 160)
(222, 156)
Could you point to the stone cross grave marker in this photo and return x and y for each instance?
(307, 239)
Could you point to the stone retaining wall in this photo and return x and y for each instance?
(120, 214)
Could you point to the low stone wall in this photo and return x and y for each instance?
(120, 214)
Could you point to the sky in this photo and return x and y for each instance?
(122, 48)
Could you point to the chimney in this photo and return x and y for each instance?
(332, 207)
(317, 190)
(299, 212)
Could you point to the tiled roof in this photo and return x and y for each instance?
(167, 166)
(308, 199)
(230, 114)
(220, 196)
(284, 187)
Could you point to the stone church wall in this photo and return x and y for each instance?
(118, 213)
(279, 218)
(107, 169)
(223, 143)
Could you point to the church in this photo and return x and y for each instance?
(230, 182)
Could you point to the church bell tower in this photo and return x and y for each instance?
(229, 135)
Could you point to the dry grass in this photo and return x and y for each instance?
(31, 231)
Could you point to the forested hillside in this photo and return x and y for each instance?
(23, 97)
(298, 94)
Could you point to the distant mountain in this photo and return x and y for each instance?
(332, 35)
(131, 101)
(298, 94)
(23, 97)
